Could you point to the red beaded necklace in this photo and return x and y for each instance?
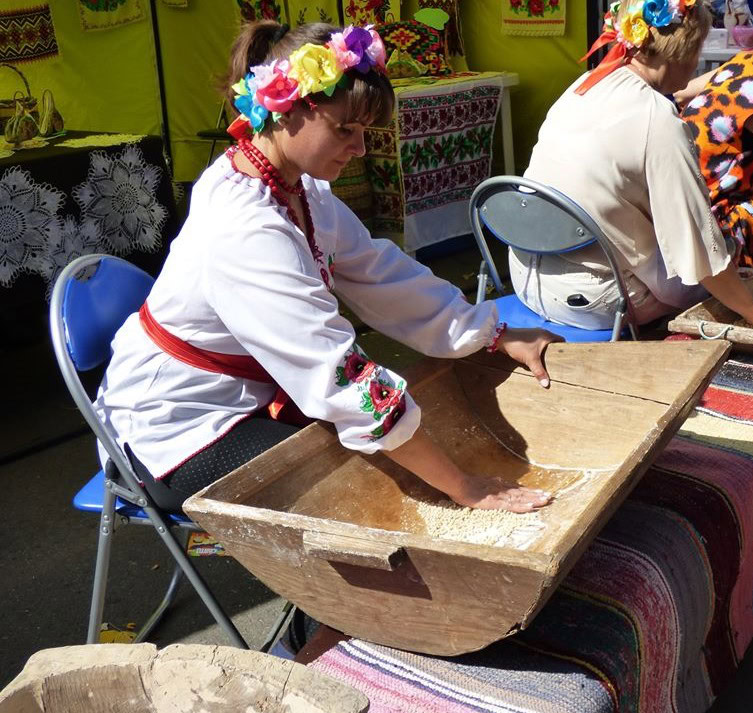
(269, 173)
(271, 178)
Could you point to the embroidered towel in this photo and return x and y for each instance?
(105, 14)
(304, 11)
(370, 12)
(26, 33)
(252, 10)
(533, 18)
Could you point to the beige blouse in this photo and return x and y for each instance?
(622, 152)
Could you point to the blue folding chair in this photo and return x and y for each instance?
(529, 216)
(91, 299)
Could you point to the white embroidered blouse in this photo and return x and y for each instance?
(241, 279)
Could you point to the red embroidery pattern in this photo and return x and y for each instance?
(380, 398)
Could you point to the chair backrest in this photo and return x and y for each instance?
(99, 292)
(91, 299)
(529, 216)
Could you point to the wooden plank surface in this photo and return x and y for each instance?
(649, 370)
(714, 319)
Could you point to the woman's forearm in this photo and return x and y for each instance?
(730, 290)
(693, 89)
(423, 457)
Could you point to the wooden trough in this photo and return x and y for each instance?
(136, 678)
(710, 319)
(365, 547)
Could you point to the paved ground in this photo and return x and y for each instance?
(48, 547)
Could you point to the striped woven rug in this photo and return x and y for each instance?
(654, 617)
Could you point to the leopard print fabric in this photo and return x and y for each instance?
(716, 118)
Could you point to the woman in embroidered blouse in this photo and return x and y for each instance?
(244, 313)
(614, 143)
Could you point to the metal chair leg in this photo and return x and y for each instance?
(167, 600)
(483, 277)
(278, 628)
(195, 578)
(102, 566)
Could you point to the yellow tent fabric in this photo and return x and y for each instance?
(546, 66)
(101, 81)
(107, 80)
(195, 45)
(301, 12)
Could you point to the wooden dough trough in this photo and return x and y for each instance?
(712, 320)
(136, 678)
(345, 536)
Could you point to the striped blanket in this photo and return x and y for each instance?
(654, 617)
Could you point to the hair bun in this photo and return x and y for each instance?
(280, 32)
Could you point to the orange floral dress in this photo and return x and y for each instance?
(725, 150)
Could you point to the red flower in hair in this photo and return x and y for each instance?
(515, 3)
(554, 3)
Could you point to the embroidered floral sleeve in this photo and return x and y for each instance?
(379, 395)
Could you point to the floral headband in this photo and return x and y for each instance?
(631, 33)
(272, 89)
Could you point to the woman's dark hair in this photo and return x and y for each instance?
(369, 98)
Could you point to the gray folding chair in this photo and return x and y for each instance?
(91, 299)
(529, 216)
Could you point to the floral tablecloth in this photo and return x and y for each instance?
(82, 193)
(425, 165)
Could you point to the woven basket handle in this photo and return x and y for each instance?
(20, 74)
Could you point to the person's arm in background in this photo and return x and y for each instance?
(729, 289)
(694, 87)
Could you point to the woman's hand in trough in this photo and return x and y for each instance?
(492, 493)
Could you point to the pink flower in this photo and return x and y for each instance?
(351, 48)
(345, 57)
(275, 90)
(375, 50)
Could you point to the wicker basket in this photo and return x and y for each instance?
(8, 106)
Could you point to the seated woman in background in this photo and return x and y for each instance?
(718, 108)
(615, 144)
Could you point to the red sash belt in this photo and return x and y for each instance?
(244, 366)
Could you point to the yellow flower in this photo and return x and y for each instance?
(634, 29)
(315, 68)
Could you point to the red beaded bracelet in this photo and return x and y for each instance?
(501, 328)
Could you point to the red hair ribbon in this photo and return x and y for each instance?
(614, 59)
(238, 128)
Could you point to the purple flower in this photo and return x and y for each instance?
(358, 41)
